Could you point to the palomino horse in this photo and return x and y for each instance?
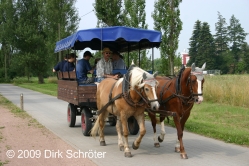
(129, 96)
(178, 95)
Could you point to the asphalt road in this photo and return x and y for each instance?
(51, 113)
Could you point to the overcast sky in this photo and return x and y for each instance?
(191, 11)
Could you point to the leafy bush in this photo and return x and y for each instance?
(21, 80)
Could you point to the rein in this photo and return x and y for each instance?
(128, 99)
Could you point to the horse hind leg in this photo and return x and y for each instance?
(101, 128)
(120, 135)
(141, 123)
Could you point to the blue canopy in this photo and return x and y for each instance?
(117, 38)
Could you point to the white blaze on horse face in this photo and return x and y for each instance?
(154, 104)
(200, 98)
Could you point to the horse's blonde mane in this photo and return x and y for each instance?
(137, 76)
(119, 82)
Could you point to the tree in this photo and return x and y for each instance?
(109, 12)
(206, 50)
(166, 17)
(221, 39)
(61, 20)
(237, 37)
(33, 30)
(245, 56)
(135, 16)
(7, 26)
(194, 43)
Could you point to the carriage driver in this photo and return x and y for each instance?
(104, 66)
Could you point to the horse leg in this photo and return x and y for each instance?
(161, 137)
(127, 152)
(101, 127)
(119, 131)
(153, 123)
(180, 135)
(140, 121)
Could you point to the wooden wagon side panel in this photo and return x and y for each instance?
(68, 91)
(87, 93)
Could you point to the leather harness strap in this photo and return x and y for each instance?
(111, 100)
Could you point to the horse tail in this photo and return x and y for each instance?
(95, 130)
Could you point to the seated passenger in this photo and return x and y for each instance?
(60, 65)
(104, 66)
(83, 67)
(69, 65)
(117, 61)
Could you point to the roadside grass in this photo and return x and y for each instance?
(49, 87)
(227, 123)
(223, 115)
(18, 112)
(15, 110)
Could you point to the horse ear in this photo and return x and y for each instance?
(193, 67)
(144, 76)
(203, 66)
(155, 74)
(132, 62)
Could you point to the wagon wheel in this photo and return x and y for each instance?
(133, 125)
(86, 123)
(71, 115)
(112, 121)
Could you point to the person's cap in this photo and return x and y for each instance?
(106, 50)
(116, 53)
(88, 53)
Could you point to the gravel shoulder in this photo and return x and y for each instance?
(33, 144)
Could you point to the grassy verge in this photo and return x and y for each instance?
(49, 87)
(227, 123)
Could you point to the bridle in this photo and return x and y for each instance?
(144, 99)
(189, 80)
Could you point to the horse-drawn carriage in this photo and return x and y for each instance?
(130, 96)
(82, 98)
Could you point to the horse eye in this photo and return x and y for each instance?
(146, 89)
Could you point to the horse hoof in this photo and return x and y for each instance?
(121, 148)
(127, 154)
(177, 149)
(102, 143)
(157, 145)
(159, 139)
(134, 147)
(184, 156)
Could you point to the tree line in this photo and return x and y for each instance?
(226, 50)
(29, 30)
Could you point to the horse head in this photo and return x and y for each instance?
(197, 81)
(147, 83)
